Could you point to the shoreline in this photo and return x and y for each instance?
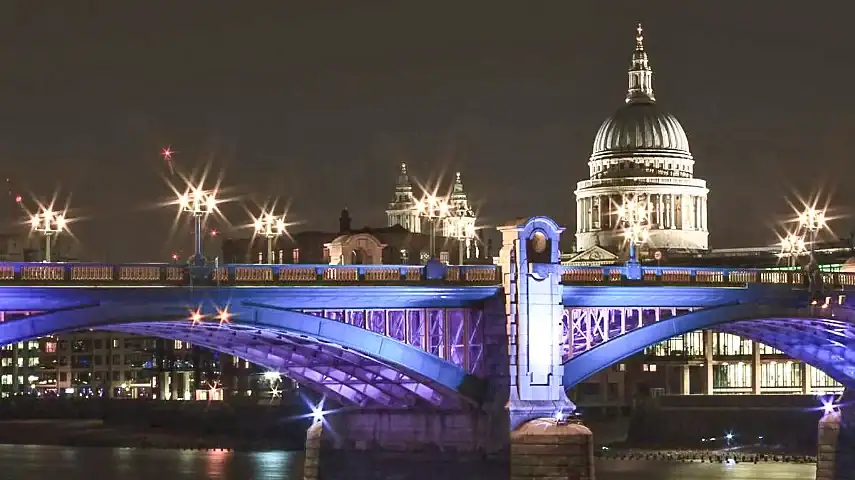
(94, 433)
(745, 454)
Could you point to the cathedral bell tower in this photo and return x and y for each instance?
(402, 210)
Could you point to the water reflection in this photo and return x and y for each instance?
(38, 462)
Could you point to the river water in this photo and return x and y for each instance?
(26, 462)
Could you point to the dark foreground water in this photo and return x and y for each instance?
(23, 462)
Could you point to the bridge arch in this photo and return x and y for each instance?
(821, 337)
(352, 365)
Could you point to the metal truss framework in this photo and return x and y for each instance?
(287, 343)
(822, 336)
(453, 334)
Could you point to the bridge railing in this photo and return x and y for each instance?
(710, 276)
(240, 274)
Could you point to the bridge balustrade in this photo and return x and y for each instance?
(249, 274)
(708, 276)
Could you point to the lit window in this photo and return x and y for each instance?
(6, 380)
(178, 345)
(50, 347)
(20, 361)
(235, 362)
(33, 345)
(295, 255)
(246, 364)
(6, 362)
(33, 361)
(732, 375)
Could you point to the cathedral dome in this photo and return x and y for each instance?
(640, 127)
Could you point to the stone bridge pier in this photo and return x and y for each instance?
(515, 428)
(836, 455)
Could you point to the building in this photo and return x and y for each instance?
(393, 245)
(641, 153)
(113, 364)
(458, 221)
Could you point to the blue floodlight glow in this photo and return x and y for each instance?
(828, 406)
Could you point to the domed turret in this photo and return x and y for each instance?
(641, 154)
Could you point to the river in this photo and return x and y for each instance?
(26, 462)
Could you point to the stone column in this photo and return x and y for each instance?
(673, 220)
(660, 218)
(578, 215)
(708, 362)
(163, 386)
(686, 377)
(836, 442)
(806, 377)
(755, 368)
(16, 354)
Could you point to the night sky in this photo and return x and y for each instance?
(318, 104)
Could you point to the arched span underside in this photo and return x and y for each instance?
(821, 337)
(352, 365)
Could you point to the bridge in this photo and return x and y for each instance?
(436, 354)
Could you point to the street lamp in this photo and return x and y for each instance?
(270, 227)
(813, 221)
(198, 203)
(48, 223)
(793, 245)
(634, 217)
(433, 208)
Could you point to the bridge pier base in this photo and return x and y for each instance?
(836, 453)
(426, 445)
(548, 448)
(407, 444)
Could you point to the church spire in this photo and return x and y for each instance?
(458, 184)
(640, 74)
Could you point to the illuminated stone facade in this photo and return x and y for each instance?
(642, 153)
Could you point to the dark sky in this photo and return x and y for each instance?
(317, 104)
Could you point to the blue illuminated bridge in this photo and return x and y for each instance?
(401, 336)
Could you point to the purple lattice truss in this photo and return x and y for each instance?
(352, 378)
(345, 375)
(822, 336)
(585, 328)
(453, 334)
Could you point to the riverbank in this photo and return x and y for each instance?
(752, 454)
(95, 433)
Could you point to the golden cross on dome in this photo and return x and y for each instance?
(639, 38)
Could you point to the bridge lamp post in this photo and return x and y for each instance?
(433, 208)
(198, 203)
(793, 246)
(270, 227)
(813, 221)
(634, 217)
(48, 223)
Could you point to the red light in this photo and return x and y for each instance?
(166, 153)
(213, 233)
(19, 199)
(175, 256)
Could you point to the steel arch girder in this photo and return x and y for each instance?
(437, 372)
(283, 347)
(837, 361)
(616, 349)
